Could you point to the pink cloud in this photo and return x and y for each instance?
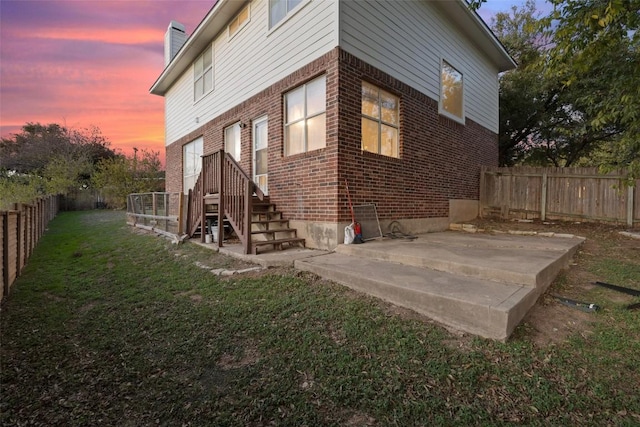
(88, 63)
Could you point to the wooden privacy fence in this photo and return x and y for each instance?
(559, 193)
(20, 231)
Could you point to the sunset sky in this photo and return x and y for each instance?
(83, 63)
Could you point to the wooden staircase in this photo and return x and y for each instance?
(270, 230)
(223, 190)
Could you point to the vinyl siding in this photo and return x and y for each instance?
(252, 60)
(408, 40)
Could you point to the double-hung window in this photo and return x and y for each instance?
(203, 74)
(191, 163)
(451, 92)
(232, 141)
(380, 121)
(305, 117)
(278, 9)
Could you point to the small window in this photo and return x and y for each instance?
(232, 141)
(240, 20)
(451, 92)
(380, 121)
(203, 74)
(278, 9)
(305, 117)
(191, 163)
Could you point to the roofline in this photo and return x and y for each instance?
(503, 60)
(207, 30)
(194, 44)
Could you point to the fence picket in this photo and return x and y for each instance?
(559, 193)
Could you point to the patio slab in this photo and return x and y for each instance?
(477, 283)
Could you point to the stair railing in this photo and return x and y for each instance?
(221, 175)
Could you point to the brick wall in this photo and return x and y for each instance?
(439, 158)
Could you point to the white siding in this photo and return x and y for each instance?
(408, 39)
(251, 61)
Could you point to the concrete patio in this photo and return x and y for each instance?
(482, 284)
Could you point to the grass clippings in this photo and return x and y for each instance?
(132, 333)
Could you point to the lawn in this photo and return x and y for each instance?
(109, 326)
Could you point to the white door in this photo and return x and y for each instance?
(260, 154)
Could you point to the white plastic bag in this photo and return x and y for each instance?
(349, 234)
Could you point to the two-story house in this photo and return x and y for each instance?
(397, 98)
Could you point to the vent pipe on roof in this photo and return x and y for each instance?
(174, 38)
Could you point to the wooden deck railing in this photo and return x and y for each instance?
(221, 175)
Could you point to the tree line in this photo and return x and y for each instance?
(53, 159)
(574, 99)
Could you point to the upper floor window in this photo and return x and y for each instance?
(451, 92)
(203, 74)
(380, 121)
(305, 117)
(232, 141)
(278, 9)
(191, 163)
(240, 20)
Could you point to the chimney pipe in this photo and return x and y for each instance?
(174, 38)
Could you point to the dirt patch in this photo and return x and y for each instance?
(360, 420)
(250, 355)
(550, 322)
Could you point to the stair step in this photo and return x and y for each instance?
(274, 231)
(267, 215)
(483, 257)
(483, 307)
(277, 244)
(269, 222)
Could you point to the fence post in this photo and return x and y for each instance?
(5, 253)
(630, 202)
(543, 197)
(19, 237)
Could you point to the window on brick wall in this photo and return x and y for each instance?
(451, 92)
(380, 121)
(232, 141)
(191, 163)
(203, 74)
(305, 117)
(278, 9)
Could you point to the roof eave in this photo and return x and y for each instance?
(479, 32)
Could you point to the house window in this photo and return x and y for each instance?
(451, 92)
(380, 121)
(203, 74)
(240, 20)
(191, 163)
(278, 9)
(232, 141)
(305, 117)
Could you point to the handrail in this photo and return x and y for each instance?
(221, 175)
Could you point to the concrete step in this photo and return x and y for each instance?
(481, 284)
(490, 257)
(482, 307)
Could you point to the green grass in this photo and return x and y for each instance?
(107, 326)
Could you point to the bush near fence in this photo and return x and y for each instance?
(20, 231)
(581, 194)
